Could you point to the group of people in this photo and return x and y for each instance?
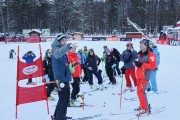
(63, 65)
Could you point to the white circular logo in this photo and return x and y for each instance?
(30, 69)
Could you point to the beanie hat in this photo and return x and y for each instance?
(145, 42)
(91, 50)
(107, 50)
(60, 36)
(29, 52)
(105, 46)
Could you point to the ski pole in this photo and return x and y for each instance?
(82, 97)
(121, 92)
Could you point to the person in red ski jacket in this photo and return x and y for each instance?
(145, 64)
(76, 74)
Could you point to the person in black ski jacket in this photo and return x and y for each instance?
(11, 54)
(110, 65)
(48, 72)
(92, 62)
(116, 53)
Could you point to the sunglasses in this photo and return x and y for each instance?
(142, 42)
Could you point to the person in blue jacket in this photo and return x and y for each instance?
(152, 84)
(29, 57)
(62, 74)
(82, 57)
(128, 56)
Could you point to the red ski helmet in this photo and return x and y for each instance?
(129, 44)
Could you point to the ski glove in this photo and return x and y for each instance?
(138, 64)
(74, 64)
(113, 66)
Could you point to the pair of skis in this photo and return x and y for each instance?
(82, 118)
(153, 111)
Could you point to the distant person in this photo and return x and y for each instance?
(76, 73)
(116, 53)
(104, 54)
(85, 51)
(29, 57)
(110, 65)
(92, 63)
(128, 56)
(82, 58)
(11, 52)
(152, 84)
(48, 72)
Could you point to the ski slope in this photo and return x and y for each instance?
(103, 102)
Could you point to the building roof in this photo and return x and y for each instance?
(34, 30)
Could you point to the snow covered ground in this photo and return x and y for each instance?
(103, 102)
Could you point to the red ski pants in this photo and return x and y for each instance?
(141, 87)
(130, 72)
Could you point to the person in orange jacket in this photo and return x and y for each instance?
(76, 73)
(145, 64)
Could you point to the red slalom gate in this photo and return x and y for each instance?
(30, 94)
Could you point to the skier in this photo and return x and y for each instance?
(48, 72)
(82, 58)
(29, 57)
(116, 53)
(62, 74)
(11, 53)
(104, 54)
(104, 61)
(153, 85)
(85, 51)
(128, 56)
(145, 64)
(76, 74)
(110, 65)
(92, 62)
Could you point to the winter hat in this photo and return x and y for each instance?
(29, 52)
(60, 36)
(91, 50)
(145, 42)
(105, 46)
(129, 44)
(107, 50)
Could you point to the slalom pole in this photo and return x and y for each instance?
(17, 87)
(121, 92)
(83, 101)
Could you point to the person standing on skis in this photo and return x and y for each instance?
(62, 74)
(110, 66)
(29, 57)
(92, 62)
(116, 53)
(76, 73)
(145, 64)
(85, 51)
(82, 58)
(152, 84)
(48, 73)
(11, 53)
(128, 56)
(104, 54)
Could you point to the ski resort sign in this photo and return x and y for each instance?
(30, 69)
(174, 42)
(133, 35)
